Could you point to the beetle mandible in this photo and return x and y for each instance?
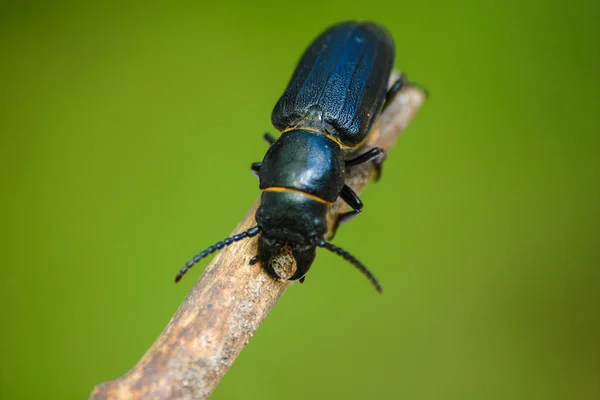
(337, 90)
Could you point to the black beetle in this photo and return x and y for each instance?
(337, 90)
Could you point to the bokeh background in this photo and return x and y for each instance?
(127, 130)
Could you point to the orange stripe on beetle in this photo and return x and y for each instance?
(285, 189)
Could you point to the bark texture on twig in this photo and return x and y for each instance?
(231, 299)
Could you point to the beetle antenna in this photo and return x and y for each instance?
(218, 246)
(352, 260)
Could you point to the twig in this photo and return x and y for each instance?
(231, 299)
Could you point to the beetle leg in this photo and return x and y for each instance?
(376, 154)
(269, 138)
(351, 198)
(370, 155)
(378, 170)
(393, 91)
(401, 83)
(255, 168)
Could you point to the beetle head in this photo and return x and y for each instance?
(291, 217)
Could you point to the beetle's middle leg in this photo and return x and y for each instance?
(269, 138)
(352, 199)
(255, 167)
(376, 154)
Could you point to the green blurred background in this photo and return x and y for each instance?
(127, 131)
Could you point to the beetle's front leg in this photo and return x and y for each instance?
(255, 168)
(352, 199)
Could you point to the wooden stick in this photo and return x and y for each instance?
(231, 299)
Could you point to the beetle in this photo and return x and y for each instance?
(339, 87)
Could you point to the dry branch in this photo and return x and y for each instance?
(231, 299)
